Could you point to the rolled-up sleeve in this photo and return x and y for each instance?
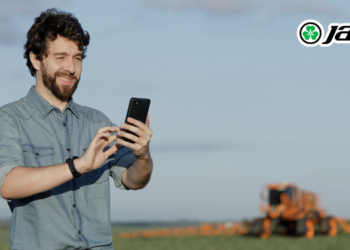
(11, 154)
(119, 162)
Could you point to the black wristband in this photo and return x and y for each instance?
(72, 168)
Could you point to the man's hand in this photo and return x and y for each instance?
(94, 156)
(141, 146)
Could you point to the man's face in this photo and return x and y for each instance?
(61, 69)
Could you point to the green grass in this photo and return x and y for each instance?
(340, 242)
(319, 242)
(4, 239)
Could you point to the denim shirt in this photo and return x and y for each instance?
(76, 214)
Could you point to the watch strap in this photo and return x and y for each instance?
(72, 168)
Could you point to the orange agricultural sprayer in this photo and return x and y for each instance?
(291, 210)
(287, 210)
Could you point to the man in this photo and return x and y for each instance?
(56, 156)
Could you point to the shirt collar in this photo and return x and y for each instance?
(72, 106)
(45, 107)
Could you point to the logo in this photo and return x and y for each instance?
(310, 34)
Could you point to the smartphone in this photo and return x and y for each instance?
(138, 109)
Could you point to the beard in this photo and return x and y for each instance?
(62, 93)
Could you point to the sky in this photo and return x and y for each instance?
(237, 101)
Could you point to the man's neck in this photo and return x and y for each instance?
(49, 97)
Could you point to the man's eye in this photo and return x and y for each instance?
(59, 58)
(78, 58)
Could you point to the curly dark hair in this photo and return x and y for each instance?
(45, 29)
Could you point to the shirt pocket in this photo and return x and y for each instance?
(37, 156)
(99, 175)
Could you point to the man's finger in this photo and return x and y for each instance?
(107, 129)
(128, 136)
(131, 128)
(112, 150)
(137, 123)
(127, 144)
(137, 130)
(147, 121)
(144, 126)
(103, 135)
(112, 138)
(106, 137)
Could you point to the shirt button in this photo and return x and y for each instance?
(64, 114)
(37, 154)
(68, 149)
(64, 124)
(74, 205)
(79, 232)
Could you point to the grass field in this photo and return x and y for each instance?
(320, 242)
(340, 242)
(4, 239)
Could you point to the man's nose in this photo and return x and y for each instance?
(70, 66)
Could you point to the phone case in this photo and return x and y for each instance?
(138, 109)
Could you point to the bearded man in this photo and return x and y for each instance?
(56, 156)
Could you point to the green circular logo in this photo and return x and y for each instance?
(309, 33)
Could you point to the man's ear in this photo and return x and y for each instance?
(35, 62)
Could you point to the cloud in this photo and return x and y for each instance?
(213, 6)
(194, 146)
(15, 13)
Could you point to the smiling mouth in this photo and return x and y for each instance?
(66, 79)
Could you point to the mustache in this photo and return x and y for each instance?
(65, 74)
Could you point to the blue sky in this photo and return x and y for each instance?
(237, 101)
